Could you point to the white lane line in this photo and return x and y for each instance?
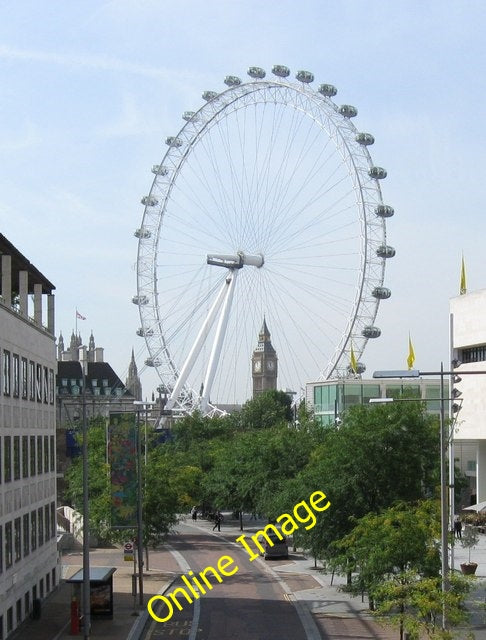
(181, 561)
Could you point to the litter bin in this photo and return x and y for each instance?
(36, 609)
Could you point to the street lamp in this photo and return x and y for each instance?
(139, 404)
(86, 533)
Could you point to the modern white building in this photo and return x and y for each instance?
(468, 341)
(28, 549)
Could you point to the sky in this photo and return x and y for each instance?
(90, 90)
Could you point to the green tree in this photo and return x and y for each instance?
(379, 455)
(99, 480)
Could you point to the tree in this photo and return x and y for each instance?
(379, 455)
(396, 560)
(99, 480)
(266, 410)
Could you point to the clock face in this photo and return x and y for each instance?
(270, 365)
(257, 365)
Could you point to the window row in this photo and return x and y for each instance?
(25, 534)
(473, 354)
(50, 583)
(26, 379)
(26, 456)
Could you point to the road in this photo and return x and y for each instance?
(251, 604)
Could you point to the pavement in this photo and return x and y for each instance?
(337, 613)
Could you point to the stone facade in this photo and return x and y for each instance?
(29, 567)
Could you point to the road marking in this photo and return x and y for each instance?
(181, 561)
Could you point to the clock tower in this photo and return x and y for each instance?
(264, 363)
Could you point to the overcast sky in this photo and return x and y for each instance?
(89, 91)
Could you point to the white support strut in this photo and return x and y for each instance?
(218, 341)
(196, 348)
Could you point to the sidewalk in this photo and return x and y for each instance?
(336, 613)
(128, 621)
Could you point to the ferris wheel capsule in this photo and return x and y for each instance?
(381, 293)
(348, 111)
(328, 90)
(160, 170)
(232, 81)
(371, 332)
(256, 72)
(377, 172)
(281, 71)
(384, 211)
(385, 251)
(304, 76)
(209, 95)
(365, 139)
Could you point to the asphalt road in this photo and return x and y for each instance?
(248, 605)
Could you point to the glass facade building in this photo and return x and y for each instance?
(329, 399)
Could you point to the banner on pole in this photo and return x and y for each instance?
(122, 455)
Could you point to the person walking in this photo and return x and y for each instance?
(194, 512)
(218, 520)
(457, 527)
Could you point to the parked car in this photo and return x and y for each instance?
(278, 548)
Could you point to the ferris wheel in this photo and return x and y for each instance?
(265, 206)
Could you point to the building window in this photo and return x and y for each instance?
(25, 456)
(473, 354)
(18, 607)
(40, 526)
(1, 549)
(24, 378)
(8, 545)
(47, 523)
(16, 457)
(7, 458)
(471, 465)
(46, 454)
(27, 603)
(51, 386)
(32, 455)
(9, 620)
(18, 539)
(39, 454)
(26, 533)
(31, 380)
(33, 531)
(6, 373)
(53, 520)
(52, 454)
(38, 384)
(16, 375)
(45, 389)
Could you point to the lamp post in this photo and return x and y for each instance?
(86, 569)
(139, 404)
(444, 439)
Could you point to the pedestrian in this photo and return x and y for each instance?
(194, 512)
(218, 520)
(457, 527)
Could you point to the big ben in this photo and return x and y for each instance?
(264, 363)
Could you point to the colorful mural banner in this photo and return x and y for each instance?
(122, 455)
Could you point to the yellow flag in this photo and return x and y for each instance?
(352, 360)
(411, 353)
(462, 290)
